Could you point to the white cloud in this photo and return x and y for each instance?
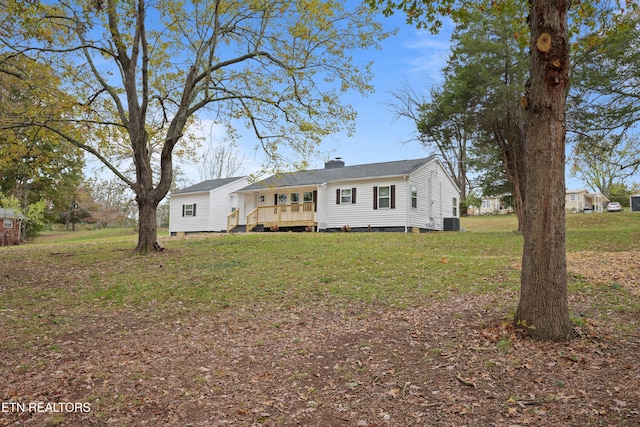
(428, 54)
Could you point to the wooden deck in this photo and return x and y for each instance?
(233, 220)
(297, 215)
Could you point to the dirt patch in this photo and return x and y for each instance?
(451, 363)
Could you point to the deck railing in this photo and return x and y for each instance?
(282, 216)
(232, 220)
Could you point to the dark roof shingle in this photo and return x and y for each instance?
(320, 176)
(208, 185)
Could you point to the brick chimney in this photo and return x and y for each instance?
(334, 164)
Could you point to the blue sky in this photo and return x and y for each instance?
(411, 57)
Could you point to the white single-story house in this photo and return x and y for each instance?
(585, 201)
(634, 202)
(407, 195)
(204, 207)
(492, 206)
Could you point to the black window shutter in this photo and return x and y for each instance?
(375, 197)
(275, 199)
(338, 196)
(315, 200)
(194, 209)
(393, 197)
(353, 195)
(183, 210)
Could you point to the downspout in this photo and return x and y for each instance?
(432, 200)
(407, 198)
(324, 184)
(441, 207)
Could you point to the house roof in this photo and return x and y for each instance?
(588, 194)
(206, 186)
(10, 213)
(320, 176)
(598, 194)
(576, 191)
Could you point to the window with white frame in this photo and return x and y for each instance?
(414, 197)
(486, 204)
(345, 195)
(384, 197)
(282, 199)
(295, 198)
(455, 206)
(261, 198)
(7, 223)
(189, 210)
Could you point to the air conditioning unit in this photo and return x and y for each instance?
(451, 224)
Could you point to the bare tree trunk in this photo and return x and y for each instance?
(543, 307)
(513, 159)
(519, 171)
(462, 183)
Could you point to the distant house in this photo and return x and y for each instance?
(634, 202)
(10, 227)
(493, 206)
(585, 201)
(407, 195)
(204, 207)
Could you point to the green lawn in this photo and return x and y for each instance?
(270, 328)
(95, 270)
(213, 272)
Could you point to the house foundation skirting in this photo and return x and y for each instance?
(377, 230)
(261, 229)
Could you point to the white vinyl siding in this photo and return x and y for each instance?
(212, 209)
(432, 187)
(435, 192)
(421, 200)
(181, 218)
(362, 214)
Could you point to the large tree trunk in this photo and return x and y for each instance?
(147, 226)
(543, 307)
